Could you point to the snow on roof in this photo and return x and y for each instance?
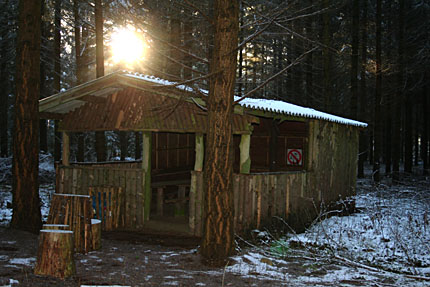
(273, 106)
(282, 107)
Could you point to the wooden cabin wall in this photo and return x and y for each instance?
(172, 150)
(332, 163)
(296, 196)
(173, 156)
(77, 179)
(270, 141)
(258, 198)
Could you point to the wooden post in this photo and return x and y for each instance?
(200, 152)
(245, 159)
(180, 205)
(160, 201)
(55, 254)
(146, 168)
(194, 204)
(66, 149)
(96, 230)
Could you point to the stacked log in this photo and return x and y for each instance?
(55, 254)
(75, 211)
(96, 229)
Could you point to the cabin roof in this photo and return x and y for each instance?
(99, 89)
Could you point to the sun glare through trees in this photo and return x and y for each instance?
(127, 46)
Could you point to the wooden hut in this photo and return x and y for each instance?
(288, 159)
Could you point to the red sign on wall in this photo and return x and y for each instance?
(294, 156)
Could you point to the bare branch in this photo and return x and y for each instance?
(293, 63)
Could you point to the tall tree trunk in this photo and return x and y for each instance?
(175, 69)
(25, 166)
(80, 155)
(100, 138)
(326, 54)
(123, 142)
(218, 236)
(57, 73)
(188, 46)
(309, 60)
(137, 145)
(378, 94)
(4, 92)
(355, 29)
(363, 141)
(426, 126)
(396, 145)
(407, 100)
(43, 134)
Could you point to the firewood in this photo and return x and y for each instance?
(96, 228)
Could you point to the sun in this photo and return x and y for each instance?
(127, 46)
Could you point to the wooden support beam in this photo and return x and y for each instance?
(146, 168)
(66, 149)
(160, 201)
(93, 99)
(51, 116)
(245, 159)
(200, 152)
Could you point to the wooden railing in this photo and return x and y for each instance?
(77, 179)
(257, 198)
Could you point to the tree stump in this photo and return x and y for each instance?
(56, 227)
(96, 229)
(55, 254)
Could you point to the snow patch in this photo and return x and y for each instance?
(23, 261)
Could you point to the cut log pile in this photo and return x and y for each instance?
(75, 211)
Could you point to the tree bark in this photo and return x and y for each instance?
(55, 254)
(137, 145)
(363, 141)
(123, 142)
(80, 155)
(309, 61)
(57, 73)
(396, 145)
(425, 131)
(378, 93)
(25, 165)
(4, 107)
(326, 54)
(43, 133)
(218, 236)
(100, 138)
(354, 57)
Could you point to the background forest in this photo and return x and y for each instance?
(367, 60)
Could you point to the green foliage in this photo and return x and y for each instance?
(279, 248)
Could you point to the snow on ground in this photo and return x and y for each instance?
(392, 231)
(46, 188)
(45, 193)
(387, 241)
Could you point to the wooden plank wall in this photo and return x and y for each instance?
(77, 179)
(257, 198)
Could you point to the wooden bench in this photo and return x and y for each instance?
(179, 201)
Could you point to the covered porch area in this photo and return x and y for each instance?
(156, 190)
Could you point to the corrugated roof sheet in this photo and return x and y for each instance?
(74, 98)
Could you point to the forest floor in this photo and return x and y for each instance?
(386, 243)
